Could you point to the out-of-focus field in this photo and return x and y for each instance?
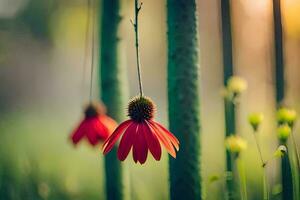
(43, 88)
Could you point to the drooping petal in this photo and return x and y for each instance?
(78, 134)
(163, 139)
(109, 123)
(172, 138)
(152, 141)
(101, 130)
(140, 148)
(91, 132)
(109, 143)
(127, 141)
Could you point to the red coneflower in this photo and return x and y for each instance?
(96, 126)
(141, 133)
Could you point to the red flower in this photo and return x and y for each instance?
(96, 126)
(141, 133)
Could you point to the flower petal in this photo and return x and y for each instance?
(173, 139)
(127, 141)
(91, 132)
(152, 141)
(79, 133)
(109, 143)
(109, 123)
(163, 139)
(100, 130)
(140, 148)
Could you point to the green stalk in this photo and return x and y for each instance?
(263, 165)
(112, 91)
(183, 97)
(286, 174)
(230, 127)
(296, 168)
(287, 178)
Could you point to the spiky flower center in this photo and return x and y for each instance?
(94, 109)
(141, 108)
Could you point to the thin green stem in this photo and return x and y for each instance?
(92, 6)
(86, 46)
(263, 165)
(135, 24)
(296, 150)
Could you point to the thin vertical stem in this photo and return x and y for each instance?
(296, 150)
(263, 165)
(92, 7)
(137, 8)
(86, 46)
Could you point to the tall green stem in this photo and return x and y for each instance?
(183, 97)
(113, 93)
(230, 127)
(287, 182)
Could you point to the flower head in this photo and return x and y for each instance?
(283, 132)
(95, 127)
(141, 133)
(285, 115)
(236, 85)
(235, 144)
(255, 120)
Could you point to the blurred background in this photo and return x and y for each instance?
(44, 86)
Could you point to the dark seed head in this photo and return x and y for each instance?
(140, 109)
(94, 109)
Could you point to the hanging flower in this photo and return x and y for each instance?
(235, 144)
(255, 120)
(141, 133)
(95, 127)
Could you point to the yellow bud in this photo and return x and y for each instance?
(255, 120)
(236, 85)
(285, 115)
(235, 144)
(283, 132)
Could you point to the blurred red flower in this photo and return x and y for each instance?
(95, 127)
(141, 133)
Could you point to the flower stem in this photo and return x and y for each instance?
(227, 73)
(296, 150)
(263, 165)
(92, 6)
(135, 24)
